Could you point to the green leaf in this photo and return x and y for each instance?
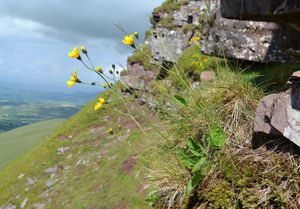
(152, 197)
(217, 136)
(194, 182)
(199, 165)
(180, 100)
(195, 148)
(185, 159)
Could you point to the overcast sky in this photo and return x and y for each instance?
(36, 35)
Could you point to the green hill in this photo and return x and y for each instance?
(16, 142)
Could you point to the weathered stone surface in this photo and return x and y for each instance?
(189, 14)
(247, 40)
(168, 45)
(279, 114)
(137, 77)
(286, 10)
(9, 206)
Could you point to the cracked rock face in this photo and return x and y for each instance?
(247, 40)
(167, 45)
(279, 114)
(137, 77)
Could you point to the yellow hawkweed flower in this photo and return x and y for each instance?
(98, 106)
(73, 79)
(75, 54)
(110, 131)
(99, 69)
(129, 40)
(101, 100)
(83, 49)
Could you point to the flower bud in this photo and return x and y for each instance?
(83, 49)
(113, 66)
(136, 34)
(110, 71)
(99, 69)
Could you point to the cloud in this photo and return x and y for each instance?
(74, 20)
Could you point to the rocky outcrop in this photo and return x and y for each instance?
(268, 10)
(247, 40)
(171, 32)
(278, 115)
(138, 78)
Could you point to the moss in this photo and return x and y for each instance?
(148, 33)
(221, 196)
(167, 22)
(169, 6)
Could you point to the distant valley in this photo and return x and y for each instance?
(19, 107)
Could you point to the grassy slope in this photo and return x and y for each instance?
(16, 142)
(92, 173)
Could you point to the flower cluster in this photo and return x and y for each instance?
(200, 61)
(99, 104)
(194, 40)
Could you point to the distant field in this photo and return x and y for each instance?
(16, 142)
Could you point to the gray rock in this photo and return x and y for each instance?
(50, 171)
(30, 181)
(51, 182)
(279, 114)
(9, 206)
(169, 45)
(261, 10)
(39, 206)
(137, 77)
(247, 40)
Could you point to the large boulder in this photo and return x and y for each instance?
(172, 31)
(279, 114)
(137, 77)
(247, 40)
(270, 10)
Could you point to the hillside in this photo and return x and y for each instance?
(15, 143)
(178, 129)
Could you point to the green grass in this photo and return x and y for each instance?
(91, 171)
(16, 142)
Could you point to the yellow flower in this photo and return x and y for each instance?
(99, 69)
(129, 40)
(110, 131)
(83, 49)
(73, 79)
(75, 54)
(101, 100)
(98, 106)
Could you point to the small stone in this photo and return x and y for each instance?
(51, 182)
(50, 171)
(30, 181)
(9, 206)
(207, 76)
(39, 206)
(24, 203)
